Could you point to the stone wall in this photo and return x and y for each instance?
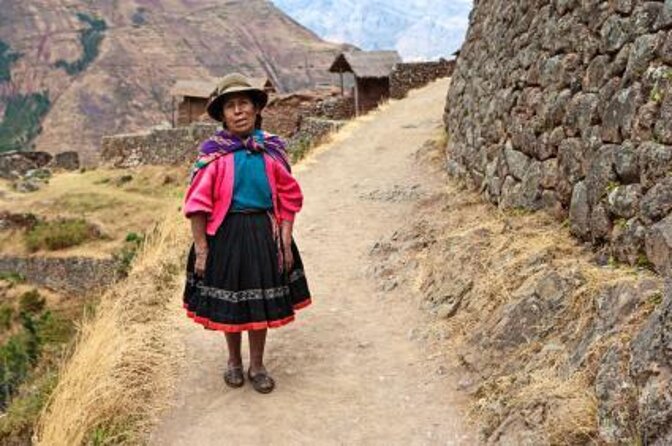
(567, 105)
(407, 76)
(313, 131)
(160, 146)
(76, 275)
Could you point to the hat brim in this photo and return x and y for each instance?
(214, 107)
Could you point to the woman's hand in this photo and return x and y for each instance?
(286, 237)
(201, 259)
(288, 257)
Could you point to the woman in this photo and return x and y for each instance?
(244, 272)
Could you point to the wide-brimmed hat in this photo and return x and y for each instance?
(234, 83)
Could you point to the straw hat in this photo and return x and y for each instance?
(234, 83)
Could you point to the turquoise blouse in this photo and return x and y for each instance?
(250, 186)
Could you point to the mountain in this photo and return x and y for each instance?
(418, 29)
(72, 71)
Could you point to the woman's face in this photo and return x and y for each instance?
(240, 114)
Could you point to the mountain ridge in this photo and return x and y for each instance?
(107, 67)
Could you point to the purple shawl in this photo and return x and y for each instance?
(223, 142)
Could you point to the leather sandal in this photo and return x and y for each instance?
(234, 376)
(261, 381)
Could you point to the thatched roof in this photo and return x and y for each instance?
(194, 89)
(204, 88)
(371, 64)
(263, 83)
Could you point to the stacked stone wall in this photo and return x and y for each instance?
(566, 105)
(407, 76)
(160, 146)
(75, 275)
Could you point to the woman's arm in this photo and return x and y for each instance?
(198, 224)
(286, 236)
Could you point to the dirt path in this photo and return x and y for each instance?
(347, 372)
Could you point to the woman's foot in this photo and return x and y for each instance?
(261, 380)
(234, 376)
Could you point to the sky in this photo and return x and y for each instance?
(418, 29)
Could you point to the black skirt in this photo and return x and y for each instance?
(244, 286)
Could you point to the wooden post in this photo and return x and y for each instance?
(356, 97)
(341, 74)
(172, 110)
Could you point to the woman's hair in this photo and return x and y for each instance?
(258, 121)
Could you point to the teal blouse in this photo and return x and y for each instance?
(250, 186)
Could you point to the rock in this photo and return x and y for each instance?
(645, 17)
(614, 33)
(628, 241)
(600, 223)
(532, 310)
(644, 122)
(517, 162)
(643, 52)
(549, 173)
(601, 173)
(581, 113)
(25, 186)
(655, 162)
(663, 126)
(620, 112)
(22, 221)
(657, 201)
(624, 200)
(579, 212)
(123, 179)
(626, 163)
(596, 74)
(39, 174)
(651, 370)
(511, 191)
(616, 399)
(658, 244)
(66, 160)
(571, 161)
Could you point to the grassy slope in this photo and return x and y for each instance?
(102, 198)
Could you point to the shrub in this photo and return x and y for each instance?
(31, 302)
(127, 253)
(90, 38)
(22, 120)
(59, 234)
(6, 315)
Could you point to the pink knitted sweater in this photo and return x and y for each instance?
(211, 191)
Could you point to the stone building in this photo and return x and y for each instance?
(371, 71)
(190, 97)
(189, 100)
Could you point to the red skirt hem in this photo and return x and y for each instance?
(237, 328)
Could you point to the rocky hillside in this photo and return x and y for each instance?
(73, 71)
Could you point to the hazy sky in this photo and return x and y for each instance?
(418, 29)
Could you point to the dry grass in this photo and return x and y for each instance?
(469, 239)
(116, 205)
(123, 364)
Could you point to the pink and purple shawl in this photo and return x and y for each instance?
(223, 142)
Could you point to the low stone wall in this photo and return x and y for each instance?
(313, 131)
(337, 108)
(161, 146)
(76, 275)
(15, 164)
(407, 76)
